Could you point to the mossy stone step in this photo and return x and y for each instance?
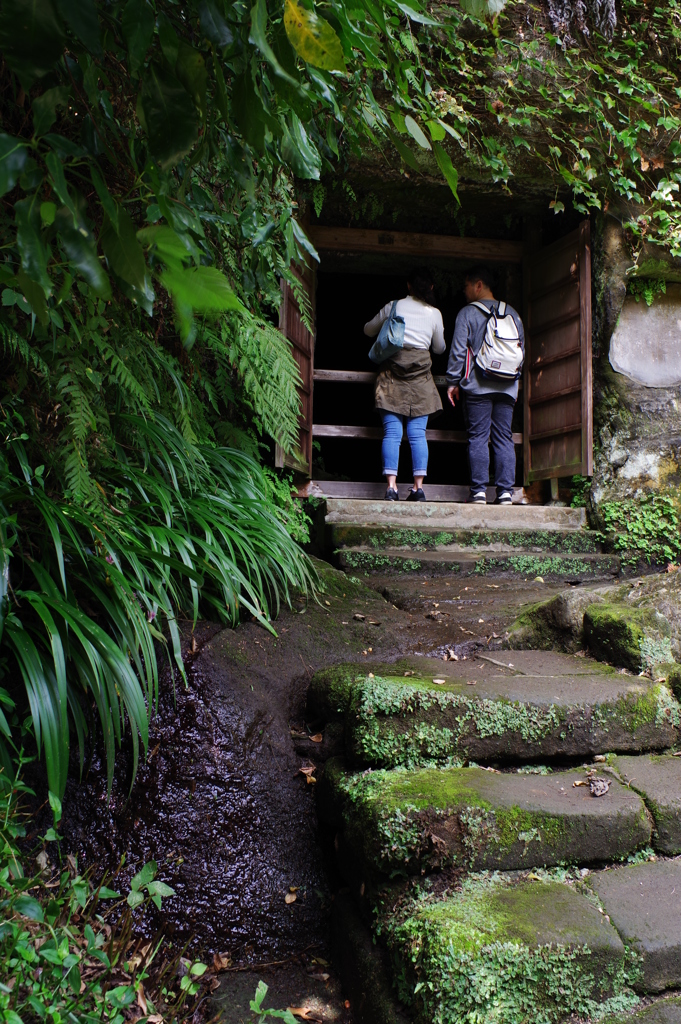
(504, 951)
(662, 1011)
(658, 779)
(482, 561)
(524, 705)
(423, 537)
(643, 902)
(415, 821)
(453, 515)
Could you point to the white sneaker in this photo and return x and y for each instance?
(478, 498)
(505, 498)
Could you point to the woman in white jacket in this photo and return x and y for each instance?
(405, 392)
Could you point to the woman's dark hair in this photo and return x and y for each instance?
(422, 285)
(481, 273)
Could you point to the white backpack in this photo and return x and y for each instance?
(501, 354)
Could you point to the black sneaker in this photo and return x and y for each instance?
(391, 495)
(478, 498)
(416, 495)
(504, 498)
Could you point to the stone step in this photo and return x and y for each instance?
(504, 950)
(400, 821)
(453, 516)
(420, 537)
(643, 902)
(518, 706)
(658, 779)
(572, 568)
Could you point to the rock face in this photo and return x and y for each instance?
(658, 780)
(637, 377)
(646, 344)
(634, 624)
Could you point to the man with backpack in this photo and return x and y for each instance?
(485, 364)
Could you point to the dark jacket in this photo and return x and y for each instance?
(405, 385)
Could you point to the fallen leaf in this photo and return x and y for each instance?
(304, 1012)
(439, 682)
(344, 623)
(290, 897)
(471, 682)
(293, 888)
(436, 604)
(141, 1000)
(481, 620)
(599, 786)
(359, 616)
(308, 770)
(317, 738)
(538, 579)
(371, 676)
(410, 673)
(318, 960)
(580, 782)
(328, 603)
(221, 961)
(372, 622)
(370, 649)
(657, 163)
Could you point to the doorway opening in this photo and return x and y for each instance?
(360, 271)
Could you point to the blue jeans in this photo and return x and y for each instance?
(489, 417)
(393, 428)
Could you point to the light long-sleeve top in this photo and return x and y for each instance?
(471, 324)
(423, 327)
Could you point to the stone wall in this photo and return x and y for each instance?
(637, 372)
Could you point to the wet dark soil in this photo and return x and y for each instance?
(220, 802)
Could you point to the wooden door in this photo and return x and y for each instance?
(291, 324)
(558, 429)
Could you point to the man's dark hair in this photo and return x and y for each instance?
(481, 273)
(422, 285)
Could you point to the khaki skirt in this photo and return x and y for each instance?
(405, 385)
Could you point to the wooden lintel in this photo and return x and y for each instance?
(376, 433)
(413, 244)
(361, 377)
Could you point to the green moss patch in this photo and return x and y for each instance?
(615, 633)
(401, 821)
(505, 952)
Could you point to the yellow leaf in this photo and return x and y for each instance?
(313, 38)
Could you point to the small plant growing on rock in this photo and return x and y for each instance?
(643, 529)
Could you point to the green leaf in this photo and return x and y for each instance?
(123, 251)
(415, 15)
(404, 152)
(82, 253)
(170, 116)
(108, 894)
(300, 152)
(258, 36)
(29, 244)
(144, 876)
(109, 204)
(483, 8)
(450, 172)
(260, 993)
(34, 294)
(138, 28)
(203, 289)
(397, 119)
(160, 889)
(437, 130)
(81, 17)
(173, 248)
(55, 806)
(13, 155)
(31, 38)
(28, 907)
(45, 108)
(213, 24)
(191, 71)
(56, 169)
(248, 111)
(313, 38)
(416, 132)
(168, 38)
(221, 94)
(198, 969)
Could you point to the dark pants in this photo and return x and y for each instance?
(489, 417)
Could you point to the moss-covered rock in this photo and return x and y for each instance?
(503, 951)
(615, 633)
(396, 719)
(658, 779)
(414, 821)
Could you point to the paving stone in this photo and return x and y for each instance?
(658, 779)
(644, 904)
(503, 950)
(482, 560)
(457, 515)
(522, 705)
(411, 821)
(662, 1011)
